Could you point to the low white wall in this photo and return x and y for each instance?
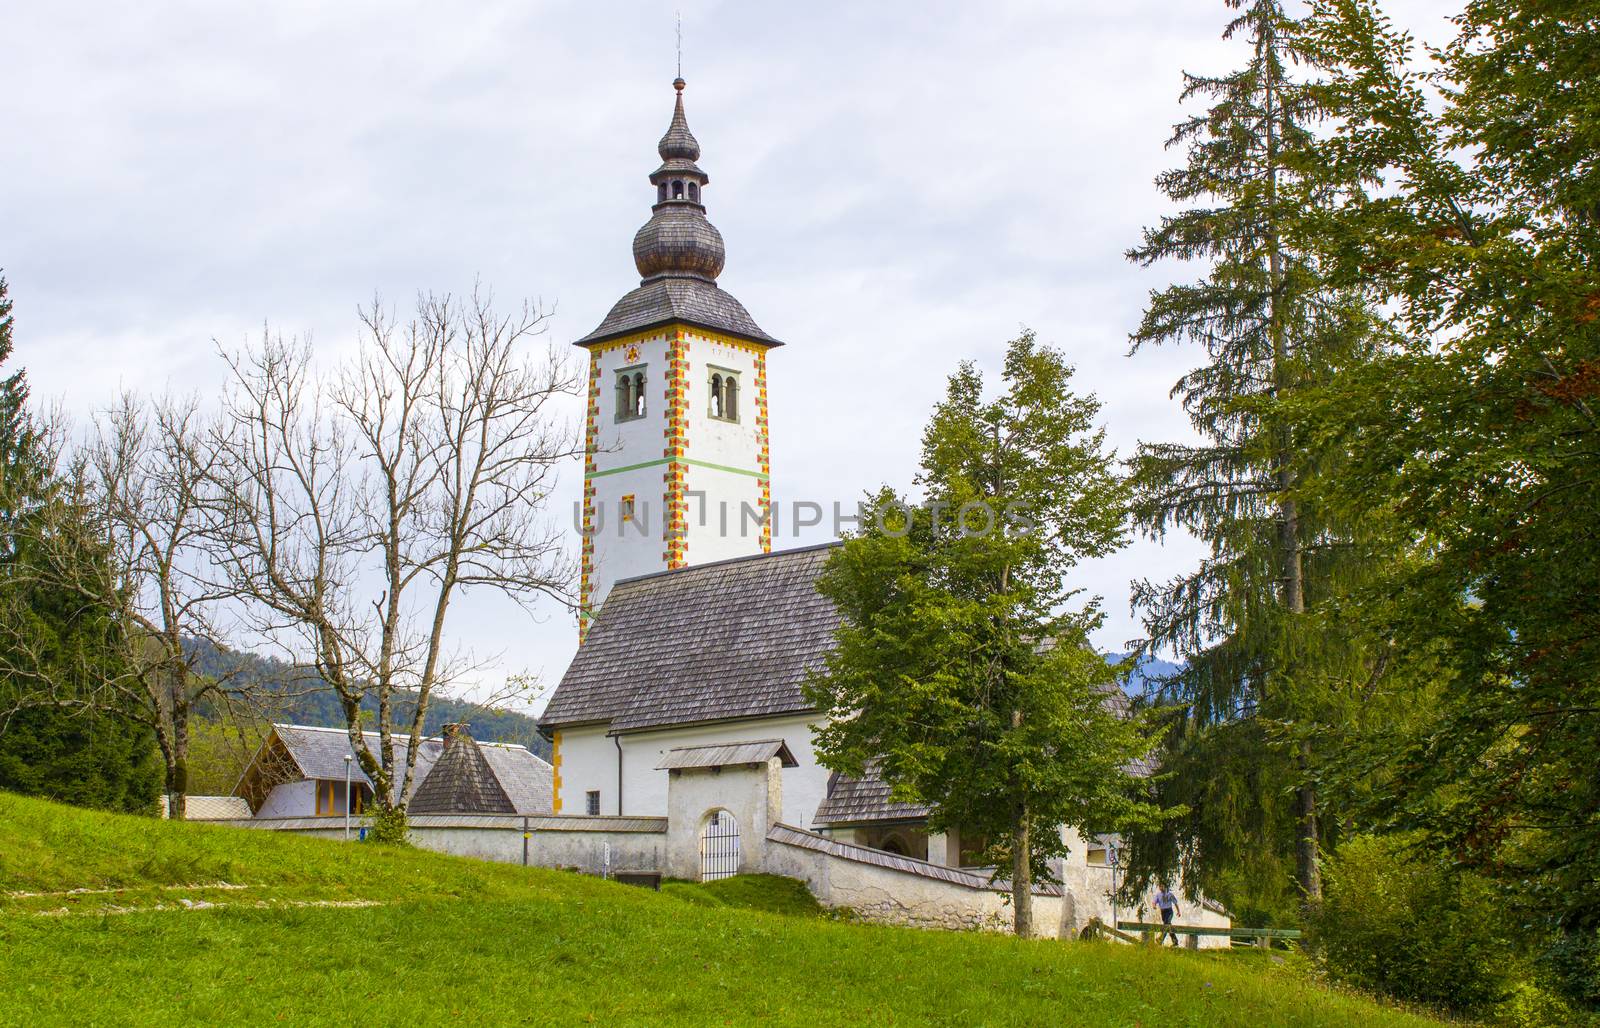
(888, 895)
(877, 886)
(635, 844)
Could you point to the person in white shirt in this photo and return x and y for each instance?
(1167, 903)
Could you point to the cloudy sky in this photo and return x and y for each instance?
(901, 185)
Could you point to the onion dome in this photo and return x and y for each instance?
(678, 240)
(678, 252)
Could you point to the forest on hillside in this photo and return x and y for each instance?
(298, 695)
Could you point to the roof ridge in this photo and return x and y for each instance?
(730, 560)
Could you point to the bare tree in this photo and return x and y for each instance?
(360, 506)
(130, 534)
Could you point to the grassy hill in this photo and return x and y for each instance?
(187, 923)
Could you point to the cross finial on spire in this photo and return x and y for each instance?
(680, 49)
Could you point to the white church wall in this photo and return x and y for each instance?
(724, 514)
(645, 788)
(624, 549)
(589, 761)
(724, 457)
(732, 443)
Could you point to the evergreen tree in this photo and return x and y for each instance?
(960, 669)
(1266, 661)
(57, 741)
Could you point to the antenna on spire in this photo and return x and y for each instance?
(680, 44)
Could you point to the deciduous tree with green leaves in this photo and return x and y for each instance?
(963, 668)
(1478, 224)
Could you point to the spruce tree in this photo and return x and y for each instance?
(1260, 664)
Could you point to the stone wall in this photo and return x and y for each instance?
(594, 845)
(877, 886)
(899, 890)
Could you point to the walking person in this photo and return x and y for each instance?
(1167, 903)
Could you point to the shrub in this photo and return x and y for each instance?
(388, 827)
(1407, 925)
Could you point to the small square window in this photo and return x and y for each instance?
(722, 392)
(626, 507)
(591, 802)
(630, 393)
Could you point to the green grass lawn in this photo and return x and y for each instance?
(442, 939)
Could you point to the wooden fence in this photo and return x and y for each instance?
(1263, 937)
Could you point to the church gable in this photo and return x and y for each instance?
(727, 640)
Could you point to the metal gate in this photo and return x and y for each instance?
(719, 847)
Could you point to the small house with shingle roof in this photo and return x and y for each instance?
(299, 771)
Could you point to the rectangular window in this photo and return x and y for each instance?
(722, 391)
(626, 508)
(591, 801)
(330, 798)
(630, 393)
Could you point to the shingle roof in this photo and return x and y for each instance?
(727, 755)
(320, 752)
(692, 301)
(526, 779)
(856, 800)
(725, 640)
(461, 782)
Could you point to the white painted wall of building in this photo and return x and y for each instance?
(291, 799)
(716, 530)
(589, 761)
(621, 444)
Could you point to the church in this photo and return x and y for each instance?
(695, 637)
(694, 633)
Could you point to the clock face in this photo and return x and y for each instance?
(633, 354)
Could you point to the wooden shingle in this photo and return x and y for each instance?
(732, 639)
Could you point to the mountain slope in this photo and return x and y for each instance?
(298, 695)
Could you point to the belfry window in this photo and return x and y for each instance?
(723, 391)
(694, 191)
(661, 193)
(677, 190)
(630, 393)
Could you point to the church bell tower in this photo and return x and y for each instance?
(676, 469)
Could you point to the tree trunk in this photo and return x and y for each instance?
(1307, 872)
(1022, 879)
(178, 767)
(1308, 869)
